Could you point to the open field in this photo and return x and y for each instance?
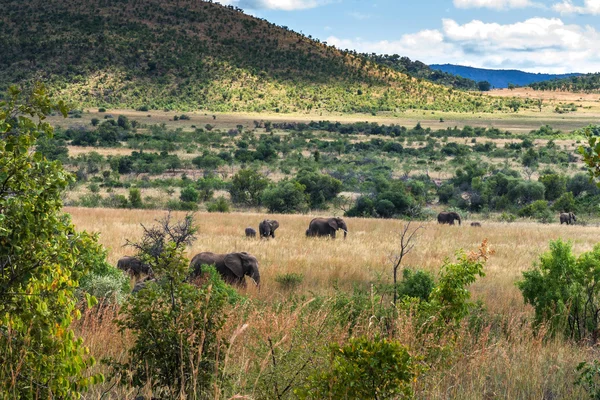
(360, 258)
(520, 122)
(518, 364)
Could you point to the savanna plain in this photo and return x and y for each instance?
(505, 358)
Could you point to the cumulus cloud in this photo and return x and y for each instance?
(567, 7)
(286, 5)
(494, 4)
(535, 45)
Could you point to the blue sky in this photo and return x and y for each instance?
(534, 35)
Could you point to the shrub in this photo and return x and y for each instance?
(565, 203)
(174, 325)
(220, 204)
(418, 284)
(563, 291)
(285, 197)
(135, 198)
(247, 187)
(363, 369)
(189, 194)
(289, 281)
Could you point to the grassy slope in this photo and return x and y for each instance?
(197, 55)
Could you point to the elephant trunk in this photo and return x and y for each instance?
(255, 275)
(459, 221)
(345, 233)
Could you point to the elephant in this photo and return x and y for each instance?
(568, 218)
(326, 227)
(267, 228)
(250, 232)
(448, 218)
(233, 267)
(476, 224)
(134, 267)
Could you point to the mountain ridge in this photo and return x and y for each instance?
(200, 55)
(499, 78)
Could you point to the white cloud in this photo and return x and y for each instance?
(567, 7)
(535, 45)
(495, 4)
(286, 5)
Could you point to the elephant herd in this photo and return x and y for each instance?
(233, 267)
(449, 218)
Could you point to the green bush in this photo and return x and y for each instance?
(363, 369)
(220, 204)
(247, 187)
(563, 290)
(565, 203)
(135, 198)
(286, 197)
(105, 288)
(289, 281)
(418, 284)
(189, 195)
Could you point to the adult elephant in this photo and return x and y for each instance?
(134, 267)
(568, 218)
(326, 227)
(267, 228)
(233, 267)
(448, 218)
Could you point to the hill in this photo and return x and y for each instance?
(498, 78)
(588, 83)
(421, 70)
(190, 54)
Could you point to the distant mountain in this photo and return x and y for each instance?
(192, 54)
(498, 78)
(583, 83)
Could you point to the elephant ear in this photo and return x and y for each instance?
(274, 224)
(333, 223)
(233, 261)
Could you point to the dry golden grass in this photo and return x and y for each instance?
(505, 360)
(360, 258)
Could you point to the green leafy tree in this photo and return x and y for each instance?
(364, 369)
(555, 185)
(247, 187)
(189, 194)
(42, 259)
(320, 188)
(135, 198)
(286, 197)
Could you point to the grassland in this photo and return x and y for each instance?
(507, 360)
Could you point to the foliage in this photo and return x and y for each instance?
(174, 324)
(42, 259)
(220, 204)
(418, 284)
(289, 281)
(320, 188)
(364, 369)
(247, 187)
(589, 378)
(285, 197)
(563, 290)
(189, 194)
(135, 198)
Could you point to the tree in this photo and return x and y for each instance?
(42, 258)
(189, 194)
(555, 185)
(285, 197)
(247, 187)
(484, 86)
(321, 188)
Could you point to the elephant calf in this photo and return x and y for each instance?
(476, 224)
(250, 232)
(134, 267)
(233, 267)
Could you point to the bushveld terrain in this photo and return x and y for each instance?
(505, 360)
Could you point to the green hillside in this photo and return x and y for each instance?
(199, 55)
(585, 83)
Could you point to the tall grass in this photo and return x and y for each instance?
(497, 355)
